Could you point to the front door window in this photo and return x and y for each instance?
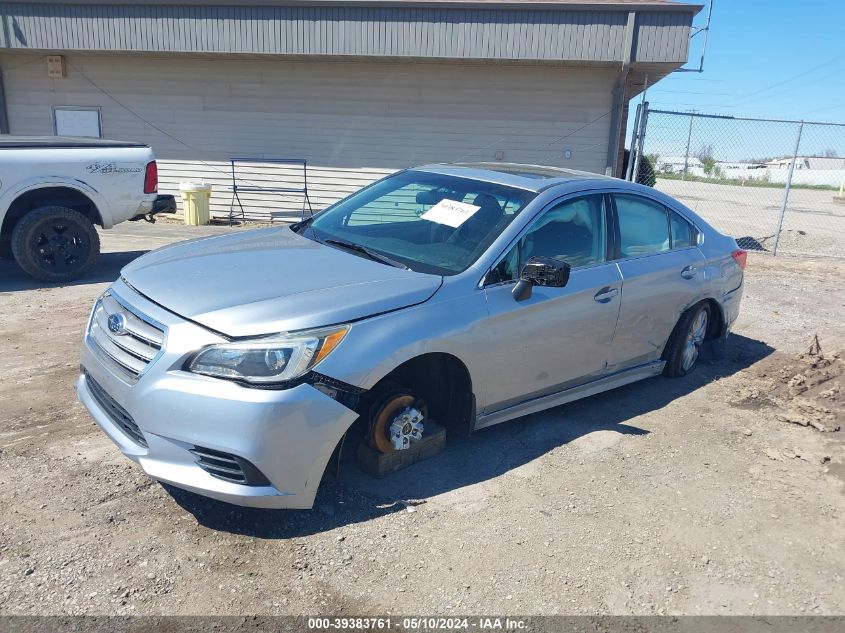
(573, 231)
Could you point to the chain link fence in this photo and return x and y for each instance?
(776, 186)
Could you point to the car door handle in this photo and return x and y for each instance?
(606, 294)
(689, 272)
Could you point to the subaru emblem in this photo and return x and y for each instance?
(117, 323)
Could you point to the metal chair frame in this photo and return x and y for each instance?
(236, 188)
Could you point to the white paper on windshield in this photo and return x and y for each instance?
(450, 212)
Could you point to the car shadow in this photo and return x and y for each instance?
(107, 269)
(354, 497)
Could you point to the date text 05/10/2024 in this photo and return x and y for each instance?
(416, 623)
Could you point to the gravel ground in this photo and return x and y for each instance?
(814, 224)
(663, 497)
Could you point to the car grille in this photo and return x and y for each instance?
(133, 346)
(228, 467)
(116, 413)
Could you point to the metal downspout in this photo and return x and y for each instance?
(4, 113)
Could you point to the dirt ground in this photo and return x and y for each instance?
(686, 496)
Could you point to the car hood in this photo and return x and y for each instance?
(272, 280)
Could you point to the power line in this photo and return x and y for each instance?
(26, 63)
(814, 80)
(130, 110)
(750, 98)
(691, 92)
(575, 131)
(153, 125)
(228, 175)
(553, 141)
(838, 105)
(756, 93)
(694, 105)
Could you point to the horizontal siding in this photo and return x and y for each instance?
(327, 185)
(540, 35)
(352, 122)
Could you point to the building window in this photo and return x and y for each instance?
(77, 121)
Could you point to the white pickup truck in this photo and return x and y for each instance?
(53, 190)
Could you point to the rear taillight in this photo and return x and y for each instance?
(740, 256)
(151, 178)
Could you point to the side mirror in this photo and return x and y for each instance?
(541, 271)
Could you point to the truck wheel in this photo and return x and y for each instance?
(54, 243)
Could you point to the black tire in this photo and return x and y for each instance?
(6, 249)
(684, 346)
(54, 243)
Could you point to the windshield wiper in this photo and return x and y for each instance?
(374, 255)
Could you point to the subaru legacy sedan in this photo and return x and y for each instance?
(467, 295)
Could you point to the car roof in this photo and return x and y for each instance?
(529, 177)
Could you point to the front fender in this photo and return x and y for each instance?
(376, 346)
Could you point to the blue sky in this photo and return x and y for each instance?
(781, 59)
(772, 58)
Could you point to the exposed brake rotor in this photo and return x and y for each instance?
(398, 423)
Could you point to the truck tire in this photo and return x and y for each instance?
(54, 243)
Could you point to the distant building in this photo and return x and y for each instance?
(677, 164)
(726, 165)
(808, 162)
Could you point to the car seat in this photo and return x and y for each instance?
(565, 233)
(477, 226)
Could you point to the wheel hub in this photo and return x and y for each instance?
(407, 427)
(58, 246)
(694, 339)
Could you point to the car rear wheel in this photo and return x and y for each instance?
(55, 243)
(684, 346)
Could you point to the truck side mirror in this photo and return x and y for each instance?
(541, 271)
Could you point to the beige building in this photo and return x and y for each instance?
(808, 162)
(357, 89)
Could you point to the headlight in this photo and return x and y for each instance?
(268, 360)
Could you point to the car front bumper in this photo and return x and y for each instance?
(287, 435)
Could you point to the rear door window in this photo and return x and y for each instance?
(643, 226)
(684, 234)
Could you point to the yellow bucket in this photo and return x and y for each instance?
(196, 200)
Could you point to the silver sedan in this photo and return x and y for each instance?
(234, 366)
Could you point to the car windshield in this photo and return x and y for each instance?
(423, 221)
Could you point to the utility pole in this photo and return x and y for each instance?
(689, 138)
(788, 186)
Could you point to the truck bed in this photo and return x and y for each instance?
(60, 142)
